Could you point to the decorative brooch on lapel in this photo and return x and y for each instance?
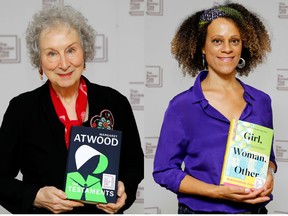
(104, 121)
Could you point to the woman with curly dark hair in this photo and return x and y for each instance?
(215, 45)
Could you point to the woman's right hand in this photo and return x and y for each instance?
(54, 200)
(191, 185)
(239, 194)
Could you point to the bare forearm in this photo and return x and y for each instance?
(191, 185)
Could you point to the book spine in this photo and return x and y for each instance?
(231, 136)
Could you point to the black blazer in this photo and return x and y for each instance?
(32, 141)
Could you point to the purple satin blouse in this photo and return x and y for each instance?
(195, 133)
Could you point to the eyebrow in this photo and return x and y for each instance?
(72, 44)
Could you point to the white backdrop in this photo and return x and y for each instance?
(164, 80)
(119, 61)
(133, 56)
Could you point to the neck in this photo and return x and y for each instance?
(68, 94)
(217, 81)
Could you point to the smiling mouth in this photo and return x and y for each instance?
(65, 75)
(226, 59)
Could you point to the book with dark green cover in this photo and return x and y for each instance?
(93, 165)
(247, 155)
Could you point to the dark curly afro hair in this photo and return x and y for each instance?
(187, 44)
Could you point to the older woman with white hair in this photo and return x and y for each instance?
(36, 126)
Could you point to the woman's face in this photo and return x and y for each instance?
(223, 46)
(62, 57)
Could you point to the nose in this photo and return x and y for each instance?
(64, 63)
(227, 47)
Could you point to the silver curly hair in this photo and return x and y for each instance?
(65, 15)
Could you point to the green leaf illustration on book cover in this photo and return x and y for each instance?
(90, 188)
(93, 164)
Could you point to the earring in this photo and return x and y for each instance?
(241, 63)
(204, 61)
(84, 68)
(41, 73)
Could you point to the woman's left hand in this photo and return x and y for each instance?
(113, 208)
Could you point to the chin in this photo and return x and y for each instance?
(68, 83)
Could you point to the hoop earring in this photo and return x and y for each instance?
(204, 61)
(41, 73)
(241, 63)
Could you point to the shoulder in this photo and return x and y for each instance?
(192, 95)
(184, 97)
(31, 96)
(256, 93)
(105, 94)
(28, 102)
(104, 91)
